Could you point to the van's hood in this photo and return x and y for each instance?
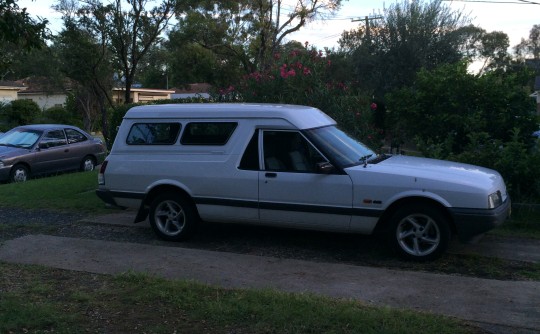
(429, 175)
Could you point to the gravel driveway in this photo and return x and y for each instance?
(254, 240)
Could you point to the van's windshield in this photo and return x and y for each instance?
(339, 146)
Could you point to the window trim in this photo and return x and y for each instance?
(175, 141)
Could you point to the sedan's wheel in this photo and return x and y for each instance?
(88, 164)
(420, 232)
(19, 173)
(172, 217)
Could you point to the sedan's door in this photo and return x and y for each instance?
(53, 154)
(293, 191)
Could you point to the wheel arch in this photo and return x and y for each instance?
(24, 163)
(144, 209)
(384, 221)
(89, 155)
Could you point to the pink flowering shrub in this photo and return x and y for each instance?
(306, 77)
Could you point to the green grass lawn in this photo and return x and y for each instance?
(70, 192)
(42, 300)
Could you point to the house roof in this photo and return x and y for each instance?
(38, 85)
(146, 90)
(194, 88)
(11, 85)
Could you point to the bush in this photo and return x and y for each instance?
(21, 112)
(306, 77)
(483, 120)
(59, 115)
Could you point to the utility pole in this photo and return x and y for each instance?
(367, 19)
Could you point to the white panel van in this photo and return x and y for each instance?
(290, 166)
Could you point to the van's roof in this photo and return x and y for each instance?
(302, 117)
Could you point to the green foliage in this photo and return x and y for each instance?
(517, 162)
(410, 35)
(18, 31)
(59, 115)
(305, 77)
(20, 112)
(484, 120)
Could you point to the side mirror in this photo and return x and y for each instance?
(325, 167)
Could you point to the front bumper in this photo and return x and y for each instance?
(474, 222)
(4, 173)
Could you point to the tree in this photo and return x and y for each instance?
(409, 36)
(85, 60)
(250, 32)
(128, 34)
(18, 31)
(190, 62)
(530, 47)
(133, 33)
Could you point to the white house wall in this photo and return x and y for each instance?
(45, 101)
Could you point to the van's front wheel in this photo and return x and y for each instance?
(420, 232)
(172, 217)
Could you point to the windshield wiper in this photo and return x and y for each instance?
(365, 158)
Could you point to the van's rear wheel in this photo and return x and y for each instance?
(172, 217)
(419, 232)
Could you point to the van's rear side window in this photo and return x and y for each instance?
(208, 133)
(153, 134)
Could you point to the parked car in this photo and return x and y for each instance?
(290, 166)
(32, 150)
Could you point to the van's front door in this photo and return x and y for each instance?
(292, 189)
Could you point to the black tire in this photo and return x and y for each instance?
(88, 164)
(19, 173)
(172, 217)
(419, 232)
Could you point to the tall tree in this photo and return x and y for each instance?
(251, 31)
(86, 60)
(133, 32)
(408, 36)
(18, 31)
(530, 47)
(128, 33)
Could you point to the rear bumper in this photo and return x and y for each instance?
(107, 197)
(474, 222)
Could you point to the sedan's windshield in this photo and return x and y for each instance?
(20, 138)
(338, 146)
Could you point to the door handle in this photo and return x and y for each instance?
(270, 174)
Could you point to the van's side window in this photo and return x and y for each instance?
(250, 159)
(208, 133)
(153, 134)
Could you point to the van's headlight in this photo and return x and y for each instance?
(494, 200)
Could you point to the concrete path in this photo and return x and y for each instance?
(504, 306)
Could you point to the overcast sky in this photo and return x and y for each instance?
(514, 17)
